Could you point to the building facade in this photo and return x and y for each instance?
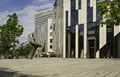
(50, 36)
(76, 33)
(42, 22)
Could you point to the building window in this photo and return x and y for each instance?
(50, 27)
(74, 17)
(79, 5)
(51, 33)
(66, 18)
(54, 27)
(50, 46)
(88, 3)
(74, 13)
(50, 40)
(90, 14)
(73, 4)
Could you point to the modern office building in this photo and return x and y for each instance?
(76, 33)
(50, 36)
(42, 23)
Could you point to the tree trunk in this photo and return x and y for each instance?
(4, 55)
(0, 55)
(14, 53)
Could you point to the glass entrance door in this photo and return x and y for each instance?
(91, 48)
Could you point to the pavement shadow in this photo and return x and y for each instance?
(6, 72)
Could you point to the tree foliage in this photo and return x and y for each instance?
(9, 33)
(23, 50)
(111, 11)
(5, 40)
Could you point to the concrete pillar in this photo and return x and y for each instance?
(116, 30)
(85, 40)
(77, 5)
(69, 13)
(77, 41)
(84, 14)
(64, 29)
(98, 54)
(94, 10)
(77, 34)
(102, 38)
(66, 7)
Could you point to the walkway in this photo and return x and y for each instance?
(59, 67)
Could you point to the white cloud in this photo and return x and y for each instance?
(40, 1)
(26, 18)
(3, 17)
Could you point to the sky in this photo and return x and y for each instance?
(26, 10)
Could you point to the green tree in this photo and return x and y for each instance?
(111, 11)
(23, 50)
(5, 41)
(15, 29)
(9, 33)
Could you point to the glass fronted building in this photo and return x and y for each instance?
(76, 33)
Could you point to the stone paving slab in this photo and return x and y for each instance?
(59, 67)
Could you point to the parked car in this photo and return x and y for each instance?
(43, 55)
(51, 54)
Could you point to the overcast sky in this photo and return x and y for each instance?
(26, 10)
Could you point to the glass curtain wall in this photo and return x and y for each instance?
(117, 46)
(81, 41)
(91, 35)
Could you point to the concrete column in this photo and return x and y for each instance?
(77, 35)
(80, 17)
(76, 4)
(94, 10)
(64, 29)
(98, 54)
(66, 7)
(85, 40)
(116, 30)
(102, 38)
(84, 14)
(91, 3)
(77, 41)
(69, 13)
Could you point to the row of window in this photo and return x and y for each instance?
(50, 42)
(74, 13)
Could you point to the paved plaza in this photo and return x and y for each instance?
(59, 67)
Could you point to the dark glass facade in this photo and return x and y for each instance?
(70, 31)
(81, 41)
(74, 13)
(79, 4)
(90, 14)
(111, 48)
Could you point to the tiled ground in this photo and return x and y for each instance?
(60, 67)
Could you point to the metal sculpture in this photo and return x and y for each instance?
(34, 45)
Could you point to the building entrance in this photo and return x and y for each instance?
(91, 48)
